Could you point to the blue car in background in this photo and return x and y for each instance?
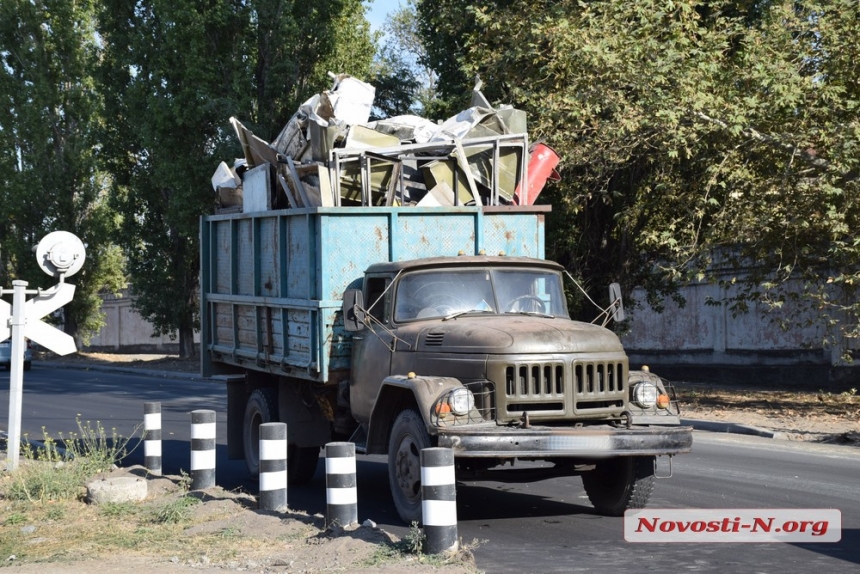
(6, 355)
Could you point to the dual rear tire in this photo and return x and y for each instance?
(262, 407)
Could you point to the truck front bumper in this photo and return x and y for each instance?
(593, 442)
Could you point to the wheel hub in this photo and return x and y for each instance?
(408, 469)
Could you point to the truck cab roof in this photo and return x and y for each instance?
(470, 261)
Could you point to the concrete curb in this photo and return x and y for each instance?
(732, 428)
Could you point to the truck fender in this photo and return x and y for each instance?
(400, 392)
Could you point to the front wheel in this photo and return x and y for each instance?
(620, 483)
(408, 437)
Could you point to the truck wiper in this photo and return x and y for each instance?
(458, 313)
(531, 314)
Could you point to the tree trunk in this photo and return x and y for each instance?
(70, 327)
(187, 349)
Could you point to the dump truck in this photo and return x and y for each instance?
(403, 328)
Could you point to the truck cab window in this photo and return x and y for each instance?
(377, 305)
(530, 291)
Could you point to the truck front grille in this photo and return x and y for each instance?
(599, 386)
(553, 388)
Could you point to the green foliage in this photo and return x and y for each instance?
(184, 481)
(414, 541)
(57, 469)
(175, 511)
(118, 509)
(49, 178)
(94, 448)
(699, 140)
(15, 518)
(172, 73)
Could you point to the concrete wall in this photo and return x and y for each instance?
(705, 342)
(127, 332)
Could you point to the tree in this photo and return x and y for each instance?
(404, 84)
(694, 136)
(49, 178)
(172, 74)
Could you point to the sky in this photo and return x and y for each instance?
(379, 9)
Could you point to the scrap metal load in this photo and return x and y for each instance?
(330, 155)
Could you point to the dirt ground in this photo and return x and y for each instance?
(175, 531)
(226, 532)
(221, 531)
(806, 414)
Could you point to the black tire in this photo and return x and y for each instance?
(301, 463)
(408, 437)
(620, 483)
(262, 407)
(27, 365)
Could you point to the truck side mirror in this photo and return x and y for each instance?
(354, 314)
(616, 302)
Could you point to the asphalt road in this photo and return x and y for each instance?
(536, 527)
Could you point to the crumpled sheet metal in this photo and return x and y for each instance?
(328, 153)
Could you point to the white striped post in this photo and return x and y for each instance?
(202, 449)
(152, 437)
(273, 466)
(341, 492)
(438, 500)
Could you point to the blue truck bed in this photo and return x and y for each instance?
(272, 282)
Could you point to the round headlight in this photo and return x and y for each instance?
(645, 395)
(461, 401)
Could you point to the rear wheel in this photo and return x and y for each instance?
(27, 365)
(262, 407)
(408, 437)
(620, 483)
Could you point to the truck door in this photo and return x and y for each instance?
(371, 349)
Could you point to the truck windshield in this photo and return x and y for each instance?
(435, 294)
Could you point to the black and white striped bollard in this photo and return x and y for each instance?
(341, 492)
(202, 449)
(152, 437)
(438, 500)
(273, 466)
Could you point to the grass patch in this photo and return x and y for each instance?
(57, 469)
(411, 548)
(175, 511)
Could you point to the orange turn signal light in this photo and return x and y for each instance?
(443, 407)
(663, 401)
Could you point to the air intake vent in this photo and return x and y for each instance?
(434, 339)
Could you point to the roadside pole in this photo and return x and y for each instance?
(60, 254)
(16, 374)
